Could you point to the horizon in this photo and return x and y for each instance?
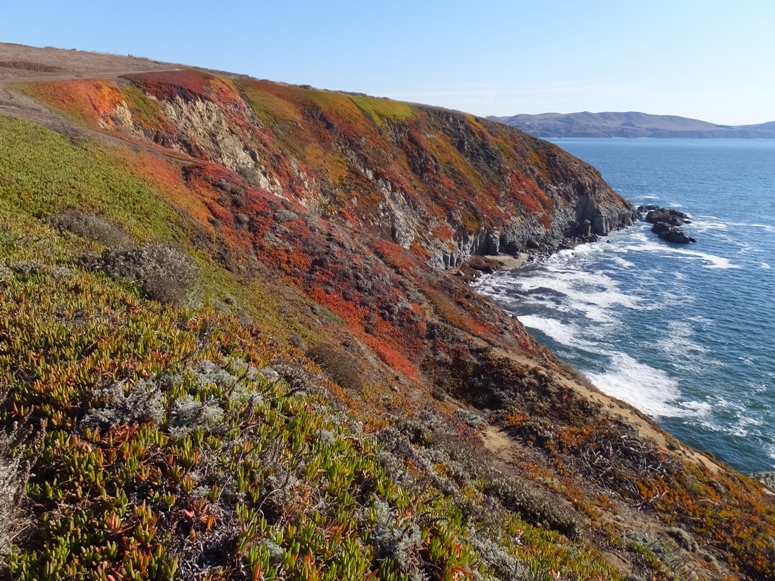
(625, 112)
(700, 60)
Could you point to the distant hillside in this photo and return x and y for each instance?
(630, 124)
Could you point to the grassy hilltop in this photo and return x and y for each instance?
(234, 344)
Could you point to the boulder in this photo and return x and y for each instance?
(766, 478)
(666, 215)
(671, 233)
(667, 223)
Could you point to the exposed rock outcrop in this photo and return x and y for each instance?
(766, 478)
(450, 184)
(667, 223)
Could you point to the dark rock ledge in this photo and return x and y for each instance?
(666, 223)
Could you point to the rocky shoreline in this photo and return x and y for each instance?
(479, 264)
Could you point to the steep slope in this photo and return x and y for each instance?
(630, 124)
(231, 349)
(452, 184)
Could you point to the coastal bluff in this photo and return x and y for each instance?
(235, 346)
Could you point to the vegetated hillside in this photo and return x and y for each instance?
(234, 345)
(631, 124)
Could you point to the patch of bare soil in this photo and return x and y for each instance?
(21, 62)
(28, 66)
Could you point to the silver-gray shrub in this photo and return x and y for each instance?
(92, 227)
(162, 272)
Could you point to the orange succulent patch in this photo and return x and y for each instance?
(91, 101)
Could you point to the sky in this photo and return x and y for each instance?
(706, 59)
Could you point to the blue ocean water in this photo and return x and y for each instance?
(684, 333)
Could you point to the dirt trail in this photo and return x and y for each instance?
(36, 64)
(20, 65)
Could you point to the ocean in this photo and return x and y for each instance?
(685, 333)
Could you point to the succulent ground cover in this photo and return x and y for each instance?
(163, 441)
(217, 368)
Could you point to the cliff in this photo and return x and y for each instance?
(234, 346)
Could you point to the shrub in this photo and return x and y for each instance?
(14, 475)
(161, 272)
(142, 404)
(339, 365)
(12, 522)
(395, 538)
(533, 506)
(92, 227)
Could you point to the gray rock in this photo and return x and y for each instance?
(671, 233)
(766, 478)
(666, 223)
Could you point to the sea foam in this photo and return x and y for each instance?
(650, 390)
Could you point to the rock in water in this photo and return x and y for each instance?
(667, 223)
(671, 233)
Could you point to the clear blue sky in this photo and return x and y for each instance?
(707, 59)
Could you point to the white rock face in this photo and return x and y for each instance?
(205, 125)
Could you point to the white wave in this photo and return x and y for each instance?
(564, 333)
(724, 404)
(650, 390)
(739, 426)
(678, 342)
(770, 449)
(710, 260)
(594, 294)
(623, 263)
(642, 242)
(697, 408)
(765, 227)
(749, 421)
(705, 223)
(766, 266)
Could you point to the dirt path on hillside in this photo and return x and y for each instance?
(18, 62)
(23, 64)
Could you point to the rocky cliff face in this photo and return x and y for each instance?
(448, 183)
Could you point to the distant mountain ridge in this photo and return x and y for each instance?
(630, 124)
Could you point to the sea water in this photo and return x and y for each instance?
(685, 333)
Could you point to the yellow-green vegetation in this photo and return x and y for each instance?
(271, 108)
(145, 110)
(41, 172)
(178, 440)
(383, 109)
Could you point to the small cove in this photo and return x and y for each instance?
(685, 333)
